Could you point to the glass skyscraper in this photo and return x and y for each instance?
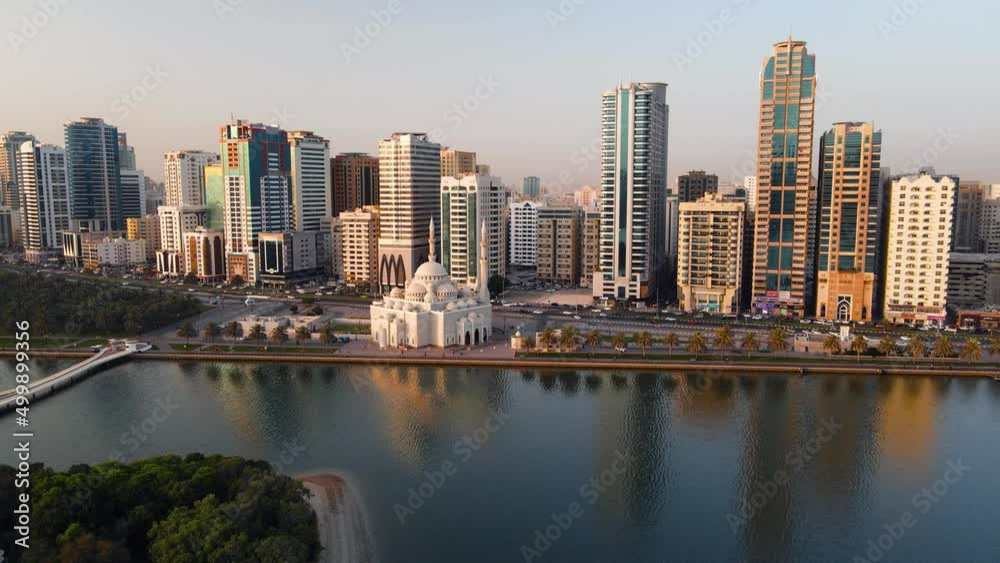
(95, 185)
(634, 122)
(784, 168)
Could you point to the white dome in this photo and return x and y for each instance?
(430, 271)
(446, 289)
(415, 290)
(396, 292)
(452, 306)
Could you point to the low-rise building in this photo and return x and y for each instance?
(288, 258)
(8, 227)
(973, 280)
(146, 229)
(205, 254)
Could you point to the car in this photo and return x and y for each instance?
(577, 317)
(567, 312)
(604, 315)
(670, 319)
(537, 312)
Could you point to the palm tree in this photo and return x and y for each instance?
(671, 341)
(724, 339)
(887, 346)
(279, 335)
(859, 346)
(567, 339)
(644, 341)
(233, 330)
(750, 343)
(831, 344)
(696, 345)
(327, 335)
(619, 342)
(916, 348)
(593, 339)
(301, 334)
(211, 331)
(995, 345)
(777, 340)
(971, 351)
(943, 347)
(187, 331)
(257, 333)
(547, 339)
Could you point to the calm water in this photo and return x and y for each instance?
(696, 448)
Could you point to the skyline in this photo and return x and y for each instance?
(543, 83)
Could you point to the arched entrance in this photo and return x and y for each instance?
(468, 339)
(844, 309)
(477, 336)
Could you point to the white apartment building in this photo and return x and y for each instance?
(174, 222)
(184, 177)
(634, 121)
(311, 179)
(359, 235)
(918, 231)
(43, 184)
(409, 200)
(466, 204)
(523, 233)
(118, 252)
(205, 254)
(750, 185)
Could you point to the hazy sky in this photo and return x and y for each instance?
(929, 78)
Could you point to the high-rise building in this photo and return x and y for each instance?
(710, 254)
(466, 204)
(591, 247)
(695, 184)
(750, 185)
(531, 187)
(918, 246)
(311, 183)
(94, 175)
(256, 170)
(10, 144)
(973, 281)
(215, 198)
(126, 154)
(989, 225)
(585, 198)
(360, 232)
(184, 177)
(9, 227)
(456, 164)
(205, 254)
(633, 191)
(45, 199)
(968, 216)
(849, 221)
(559, 244)
(409, 198)
(146, 229)
(133, 193)
(355, 182)
(523, 234)
(784, 179)
(174, 222)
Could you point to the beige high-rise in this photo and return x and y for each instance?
(455, 163)
(359, 233)
(784, 169)
(710, 254)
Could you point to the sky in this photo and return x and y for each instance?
(518, 81)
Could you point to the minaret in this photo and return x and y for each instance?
(431, 257)
(482, 283)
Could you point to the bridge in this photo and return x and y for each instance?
(52, 383)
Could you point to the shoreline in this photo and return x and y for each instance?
(785, 367)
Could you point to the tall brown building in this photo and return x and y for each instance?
(559, 230)
(591, 248)
(695, 184)
(784, 167)
(848, 236)
(355, 181)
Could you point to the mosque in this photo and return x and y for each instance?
(432, 311)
